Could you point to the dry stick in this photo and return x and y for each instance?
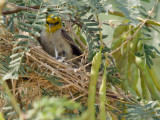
(65, 86)
(70, 77)
(75, 58)
(123, 94)
(39, 90)
(141, 25)
(79, 96)
(79, 41)
(70, 93)
(19, 9)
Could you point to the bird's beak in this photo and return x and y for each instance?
(51, 25)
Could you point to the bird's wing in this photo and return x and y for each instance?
(75, 49)
(39, 38)
(66, 36)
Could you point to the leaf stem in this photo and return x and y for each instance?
(100, 33)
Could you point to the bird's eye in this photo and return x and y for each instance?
(47, 22)
(56, 23)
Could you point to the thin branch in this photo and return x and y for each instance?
(79, 41)
(148, 21)
(19, 8)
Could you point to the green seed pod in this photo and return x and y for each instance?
(96, 62)
(102, 96)
(142, 67)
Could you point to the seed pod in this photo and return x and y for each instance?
(96, 62)
(102, 95)
(142, 67)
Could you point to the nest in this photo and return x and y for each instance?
(73, 79)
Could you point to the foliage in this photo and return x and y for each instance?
(1, 117)
(53, 108)
(34, 22)
(148, 111)
(130, 43)
(92, 84)
(130, 9)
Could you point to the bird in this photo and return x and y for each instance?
(56, 41)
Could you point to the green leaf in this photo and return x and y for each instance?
(92, 24)
(21, 36)
(1, 116)
(18, 47)
(14, 65)
(94, 29)
(16, 54)
(15, 60)
(23, 72)
(146, 0)
(30, 14)
(23, 29)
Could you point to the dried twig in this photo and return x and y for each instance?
(19, 8)
(79, 41)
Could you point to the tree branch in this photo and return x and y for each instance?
(19, 8)
(148, 21)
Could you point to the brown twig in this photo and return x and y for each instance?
(79, 41)
(19, 8)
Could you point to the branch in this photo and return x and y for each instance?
(79, 41)
(19, 8)
(148, 21)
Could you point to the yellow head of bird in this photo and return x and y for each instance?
(53, 24)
